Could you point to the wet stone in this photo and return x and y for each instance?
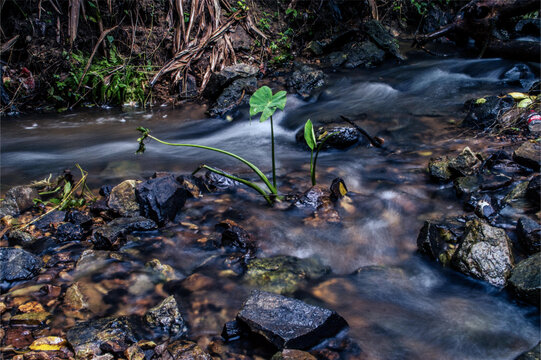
(283, 274)
(525, 280)
(529, 234)
(122, 198)
(79, 218)
(111, 235)
(17, 200)
(313, 198)
(287, 322)
(217, 182)
(18, 264)
(69, 232)
(187, 350)
(233, 96)
(232, 330)
(484, 208)
(161, 198)
(495, 181)
(342, 138)
(466, 185)
(20, 237)
(291, 354)
(382, 38)
(533, 191)
(484, 112)
(528, 154)
(439, 169)
(365, 54)
(235, 236)
(53, 218)
(166, 320)
(484, 253)
(466, 163)
(439, 240)
(305, 80)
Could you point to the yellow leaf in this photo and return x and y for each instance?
(425, 153)
(342, 189)
(524, 103)
(518, 95)
(48, 343)
(480, 101)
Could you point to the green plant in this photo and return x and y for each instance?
(314, 144)
(264, 23)
(264, 102)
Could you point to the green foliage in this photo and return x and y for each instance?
(281, 47)
(314, 144)
(240, 5)
(109, 80)
(264, 23)
(421, 6)
(264, 102)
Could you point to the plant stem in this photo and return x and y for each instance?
(235, 178)
(262, 176)
(272, 149)
(312, 170)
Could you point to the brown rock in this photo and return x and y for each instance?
(18, 337)
(122, 198)
(291, 354)
(529, 155)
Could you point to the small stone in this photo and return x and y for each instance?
(484, 208)
(187, 350)
(525, 280)
(134, 352)
(111, 235)
(165, 318)
(122, 199)
(439, 240)
(166, 272)
(305, 81)
(466, 163)
(528, 154)
(69, 232)
(231, 330)
(79, 218)
(52, 219)
(291, 354)
(466, 185)
(235, 236)
(439, 169)
(20, 237)
(287, 322)
(18, 264)
(30, 319)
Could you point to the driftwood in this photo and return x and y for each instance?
(479, 18)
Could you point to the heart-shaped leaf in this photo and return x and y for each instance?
(264, 102)
(309, 135)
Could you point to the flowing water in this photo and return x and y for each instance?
(403, 306)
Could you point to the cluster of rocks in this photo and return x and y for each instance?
(503, 192)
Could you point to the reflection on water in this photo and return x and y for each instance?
(398, 305)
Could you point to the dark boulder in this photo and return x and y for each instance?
(484, 112)
(382, 38)
(525, 279)
(533, 191)
(529, 234)
(219, 81)
(531, 27)
(236, 237)
(484, 253)
(79, 218)
(161, 198)
(305, 80)
(287, 322)
(17, 200)
(51, 220)
(528, 154)
(20, 237)
(165, 319)
(519, 75)
(111, 235)
(439, 239)
(365, 54)
(342, 136)
(18, 264)
(69, 232)
(233, 96)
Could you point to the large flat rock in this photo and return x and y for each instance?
(287, 322)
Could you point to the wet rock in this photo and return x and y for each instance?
(519, 74)
(20, 237)
(18, 264)
(529, 234)
(313, 198)
(95, 337)
(134, 352)
(533, 191)
(335, 59)
(52, 219)
(17, 200)
(342, 136)
(291, 354)
(111, 235)
(466, 185)
(105, 190)
(338, 189)
(219, 81)
(166, 320)
(233, 96)
(530, 27)
(79, 218)
(495, 181)
(188, 89)
(517, 196)
(382, 38)
(235, 236)
(305, 80)
(217, 182)
(30, 319)
(232, 330)
(283, 274)
(439, 240)
(439, 169)
(533, 354)
(484, 253)
(525, 279)
(161, 198)
(528, 154)
(484, 112)
(122, 199)
(193, 184)
(164, 271)
(315, 47)
(69, 232)
(365, 54)
(535, 89)
(187, 350)
(466, 163)
(287, 322)
(435, 19)
(483, 207)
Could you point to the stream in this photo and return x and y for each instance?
(401, 305)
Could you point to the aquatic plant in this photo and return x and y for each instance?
(314, 144)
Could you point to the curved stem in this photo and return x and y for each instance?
(262, 176)
(312, 170)
(272, 149)
(235, 178)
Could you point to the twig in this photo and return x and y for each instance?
(376, 142)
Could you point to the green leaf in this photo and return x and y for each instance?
(67, 189)
(264, 102)
(524, 103)
(309, 135)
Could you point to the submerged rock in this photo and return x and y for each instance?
(305, 80)
(484, 112)
(283, 274)
(484, 253)
(161, 198)
(525, 280)
(439, 240)
(217, 182)
(529, 234)
(313, 198)
(528, 154)
(69, 232)
(237, 237)
(17, 200)
(122, 199)
(112, 234)
(165, 319)
(51, 220)
(18, 264)
(287, 322)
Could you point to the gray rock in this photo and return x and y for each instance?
(305, 80)
(525, 280)
(233, 96)
(69, 232)
(466, 185)
(365, 54)
(439, 240)
(484, 253)
(529, 234)
(439, 169)
(20, 237)
(161, 198)
(529, 155)
(466, 163)
(185, 350)
(217, 182)
(382, 38)
(336, 59)
(110, 236)
(219, 81)
(313, 198)
(533, 191)
(51, 220)
(17, 200)
(165, 319)
(189, 89)
(484, 112)
(287, 322)
(533, 354)
(18, 264)
(122, 199)
(342, 136)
